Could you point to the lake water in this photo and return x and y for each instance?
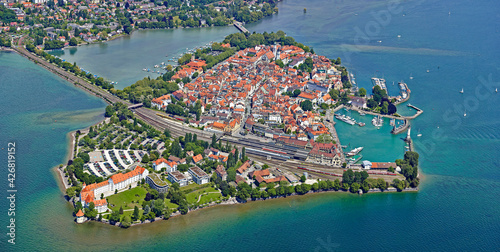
(456, 208)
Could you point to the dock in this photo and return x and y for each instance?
(240, 27)
(401, 128)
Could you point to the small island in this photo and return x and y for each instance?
(246, 119)
(250, 118)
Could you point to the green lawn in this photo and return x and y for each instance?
(194, 186)
(170, 204)
(193, 196)
(125, 199)
(211, 197)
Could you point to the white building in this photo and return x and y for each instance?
(177, 177)
(199, 176)
(161, 163)
(93, 192)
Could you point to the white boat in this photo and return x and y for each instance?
(462, 91)
(377, 121)
(379, 82)
(411, 77)
(427, 70)
(361, 113)
(399, 36)
(355, 151)
(465, 113)
(496, 90)
(419, 135)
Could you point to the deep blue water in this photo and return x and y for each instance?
(456, 209)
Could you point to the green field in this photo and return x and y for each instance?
(170, 204)
(125, 199)
(212, 195)
(194, 186)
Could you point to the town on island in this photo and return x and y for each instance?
(249, 118)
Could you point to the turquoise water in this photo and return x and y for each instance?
(123, 59)
(455, 210)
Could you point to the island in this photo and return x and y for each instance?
(250, 118)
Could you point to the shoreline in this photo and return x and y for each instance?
(70, 152)
(234, 201)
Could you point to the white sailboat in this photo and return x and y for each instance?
(465, 113)
(462, 91)
(411, 77)
(419, 134)
(496, 90)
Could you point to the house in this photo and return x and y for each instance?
(161, 102)
(239, 179)
(243, 167)
(221, 172)
(358, 102)
(197, 159)
(199, 176)
(177, 177)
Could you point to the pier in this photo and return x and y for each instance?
(419, 112)
(240, 27)
(401, 128)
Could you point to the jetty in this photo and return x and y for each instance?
(240, 27)
(419, 112)
(397, 130)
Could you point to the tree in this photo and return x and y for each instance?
(348, 177)
(391, 109)
(114, 217)
(135, 215)
(121, 210)
(306, 105)
(214, 140)
(126, 222)
(84, 156)
(145, 159)
(73, 42)
(109, 111)
(354, 187)
(362, 92)
(381, 184)
(338, 61)
(146, 209)
(345, 186)
(412, 158)
(303, 178)
(385, 108)
(183, 208)
(71, 192)
(371, 103)
(391, 169)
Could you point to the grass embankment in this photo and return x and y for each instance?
(208, 195)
